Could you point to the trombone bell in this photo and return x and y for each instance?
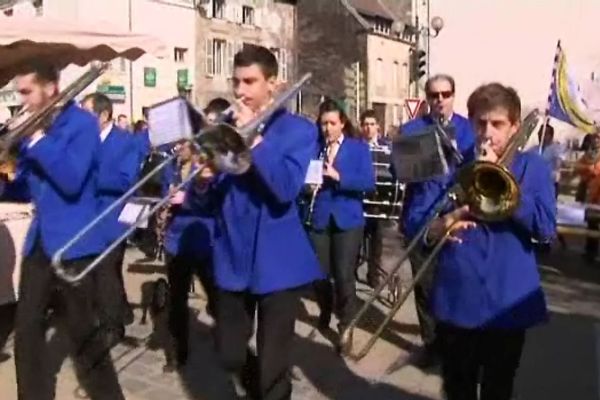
(490, 190)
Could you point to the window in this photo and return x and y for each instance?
(119, 64)
(179, 54)
(382, 26)
(379, 72)
(282, 61)
(219, 9)
(395, 79)
(220, 54)
(230, 54)
(247, 15)
(210, 57)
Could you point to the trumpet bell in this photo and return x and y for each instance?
(490, 190)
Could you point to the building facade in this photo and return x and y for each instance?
(223, 27)
(355, 56)
(131, 85)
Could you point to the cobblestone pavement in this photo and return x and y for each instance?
(560, 359)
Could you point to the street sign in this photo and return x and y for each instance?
(413, 106)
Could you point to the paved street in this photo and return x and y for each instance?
(561, 358)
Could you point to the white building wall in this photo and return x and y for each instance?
(172, 21)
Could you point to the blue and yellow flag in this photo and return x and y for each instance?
(566, 102)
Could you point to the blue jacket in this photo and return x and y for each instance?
(259, 242)
(413, 218)
(143, 144)
(118, 170)
(61, 168)
(187, 234)
(343, 200)
(490, 280)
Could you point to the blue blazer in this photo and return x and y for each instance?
(118, 170)
(491, 280)
(343, 200)
(260, 244)
(61, 169)
(187, 234)
(143, 144)
(414, 213)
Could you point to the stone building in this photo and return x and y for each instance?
(356, 56)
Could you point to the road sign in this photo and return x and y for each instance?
(413, 106)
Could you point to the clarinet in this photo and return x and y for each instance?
(314, 193)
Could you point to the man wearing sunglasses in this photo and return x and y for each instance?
(440, 90)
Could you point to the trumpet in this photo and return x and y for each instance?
(492, 194)
(221, 145)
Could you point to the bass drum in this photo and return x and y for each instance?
(15, 219)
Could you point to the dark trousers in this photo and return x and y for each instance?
(487, 356)
(113, 308)
(422, 295)
(591, 244)
(337, 251)
(373, 239)
(269, 373)
(93, 364)
(179, 271)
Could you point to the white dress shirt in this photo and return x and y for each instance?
(104, 133)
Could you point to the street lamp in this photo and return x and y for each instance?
(421, 67)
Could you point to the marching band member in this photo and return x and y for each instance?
(262, 256)
(439, 90)
(588, 169)
(118, 170)
(338, 221)
(486, 290)
(60, 160)
(188, 249)
(380, 152)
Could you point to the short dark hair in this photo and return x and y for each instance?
(331, 105)
(45, 72)
(440, 77)
(263, 57)
(549, 131)
(370, 113)
(217, 105)
(494, 95)
(100, 103)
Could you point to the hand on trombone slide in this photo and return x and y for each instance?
(451, 224)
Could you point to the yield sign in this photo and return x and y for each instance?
(413, 105)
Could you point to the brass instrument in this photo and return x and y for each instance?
(43, 118)
(492, 194)
(222, 145)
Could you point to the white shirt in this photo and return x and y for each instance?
(332, 150)
(104, 133)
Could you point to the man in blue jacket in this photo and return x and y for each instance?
(60, 159)
(486, 289)
(262, 256)
(118, 169)
(440, 91)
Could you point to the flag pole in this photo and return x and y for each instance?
(552, 81)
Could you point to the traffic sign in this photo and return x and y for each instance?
(413, 106)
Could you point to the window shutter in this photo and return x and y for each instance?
(230, 55)
(210, 57)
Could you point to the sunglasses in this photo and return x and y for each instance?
(436, 95)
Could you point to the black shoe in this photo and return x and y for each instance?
(324, 321)
(427, 358)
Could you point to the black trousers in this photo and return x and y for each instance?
(422, 295)
(113, 308)
(179, 272)
(487, 356)
(269, 373)
(374, 244)
(337, 251)
(93, 364)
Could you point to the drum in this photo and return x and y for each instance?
(15, 219)
(386, 201)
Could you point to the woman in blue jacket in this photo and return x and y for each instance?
(337, 220)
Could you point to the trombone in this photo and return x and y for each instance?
(223, 145)
(492, 194)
